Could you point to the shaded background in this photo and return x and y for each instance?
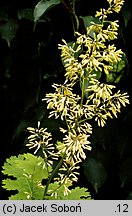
(29, 64)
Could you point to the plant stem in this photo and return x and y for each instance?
(74, 13)
(52, 174)
(82, 87)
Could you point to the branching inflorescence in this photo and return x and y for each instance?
(85, 61)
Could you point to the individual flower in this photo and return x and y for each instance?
(110, 1)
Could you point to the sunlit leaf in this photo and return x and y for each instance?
(27, 171)
(75, 194)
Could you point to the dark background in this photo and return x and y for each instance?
(29, 64)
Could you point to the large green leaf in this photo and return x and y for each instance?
(95, 172)
(27, 171)
(8, 30)
(42, 7)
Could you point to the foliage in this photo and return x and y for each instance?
(31, 62)
(42, 6)
(95, 172)
(8, 30)
(74, 194)
(29, 171)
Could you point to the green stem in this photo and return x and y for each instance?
(67, 123)
(60, 184)
(71, 8)
(83, 120)
(82, 96)
(74, 13)
(52, 174)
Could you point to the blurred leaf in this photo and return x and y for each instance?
(42, 7)
(95, 173)
(41, 112)
(87, 22)
(74, 46)
(126, 12)
(97, 75)
(88, 19)
(26, 13)
(22, 127)
(116, 74)
(122, 145)
(125, 173)
(100, 155)
(128, 116)
(130, 196)
(3, 15)
(52, 124)
(8, 30)
(118, 79)
(110, 78)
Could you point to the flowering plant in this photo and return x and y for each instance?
(85, 60)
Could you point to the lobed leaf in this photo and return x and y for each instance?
(74, 194)
(27, 171)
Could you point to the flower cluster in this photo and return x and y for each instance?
(68, 55)
(114, 6)
(61, 101)
(98, 55)
(84, 60)
(40, 139)
(73, 147)
(105, 103)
